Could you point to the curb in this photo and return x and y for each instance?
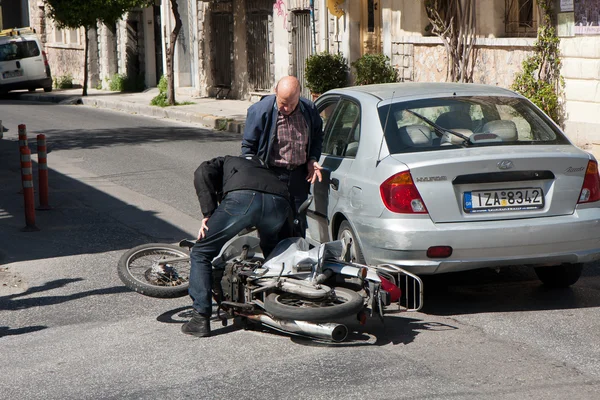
(217, 123)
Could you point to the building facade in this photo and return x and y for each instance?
(239, 49)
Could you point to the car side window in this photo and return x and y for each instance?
(326, 108)
(342, 138)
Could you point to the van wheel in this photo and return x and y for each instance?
(559, 276)
(346, 233)
(48, 89)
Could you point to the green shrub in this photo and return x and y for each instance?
(124, 83)
(160, 100)
(64, 82)
(326, 71)
(374, 68)
(540, 80)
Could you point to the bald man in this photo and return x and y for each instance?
(286, 132)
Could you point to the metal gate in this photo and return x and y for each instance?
(222, 56)
(301, 45)
(258, 22)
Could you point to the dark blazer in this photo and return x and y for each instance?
(215, 178)
(261, 123)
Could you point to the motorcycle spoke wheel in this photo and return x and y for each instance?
(343, 303)
(139, 270)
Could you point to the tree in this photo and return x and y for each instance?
(540, 80)
(169, 52)
(74, 14)
(453, 21)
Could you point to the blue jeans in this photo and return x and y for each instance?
(239, 209)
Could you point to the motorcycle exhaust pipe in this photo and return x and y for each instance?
(326, 331)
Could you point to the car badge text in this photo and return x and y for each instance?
(505, 164)
(431, 178)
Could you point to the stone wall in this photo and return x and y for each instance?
(581, 71)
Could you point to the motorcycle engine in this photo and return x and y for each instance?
(234, 279)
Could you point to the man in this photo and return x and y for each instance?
(252, 195)
(286, 132)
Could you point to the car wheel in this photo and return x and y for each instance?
(48, 89)
(346, 233)
(559, 276)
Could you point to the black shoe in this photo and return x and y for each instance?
(198, 326)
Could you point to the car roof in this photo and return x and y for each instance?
(420, 90)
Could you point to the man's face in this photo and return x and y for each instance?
(287, 101)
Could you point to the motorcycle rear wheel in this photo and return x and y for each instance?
(135, 270)
(290, 306)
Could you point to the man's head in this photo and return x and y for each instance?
(288, 94)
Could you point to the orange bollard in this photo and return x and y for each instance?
(42, 172)
(23, 136)
(28, 196)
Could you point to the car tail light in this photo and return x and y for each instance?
(591, 184)
(400, 195)
(45, 58)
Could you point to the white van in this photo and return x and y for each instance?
(23, 64)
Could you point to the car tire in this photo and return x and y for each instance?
(559, 276)
(48, 89)
(346, 232)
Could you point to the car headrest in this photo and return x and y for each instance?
(455, 120)
(505, 129)
(416, 135)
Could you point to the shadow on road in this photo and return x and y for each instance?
(6, 331)
(511, 289)
(83, 219)
(20, 301)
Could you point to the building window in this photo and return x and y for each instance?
(66, 36)
(521, 17)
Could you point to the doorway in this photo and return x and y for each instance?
(370, 26)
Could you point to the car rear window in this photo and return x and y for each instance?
(18, 50)
(483, 120)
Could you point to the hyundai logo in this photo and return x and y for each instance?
(505, 164)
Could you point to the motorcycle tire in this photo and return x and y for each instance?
(289, 306)
(135, 270)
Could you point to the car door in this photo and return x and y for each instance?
(340, 146)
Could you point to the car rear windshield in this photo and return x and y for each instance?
(18, 50)
(445, 123)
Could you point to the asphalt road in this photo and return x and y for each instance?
(69, 329)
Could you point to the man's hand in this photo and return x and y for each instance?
(203, 229)
(314, 171)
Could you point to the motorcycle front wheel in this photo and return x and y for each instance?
(139, 270)
(292, 306)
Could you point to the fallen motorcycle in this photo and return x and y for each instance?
(300, 289)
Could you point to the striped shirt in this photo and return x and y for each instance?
(289, 148)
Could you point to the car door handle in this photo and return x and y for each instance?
(335, 183)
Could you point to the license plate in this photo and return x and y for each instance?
(12, 74)
(503, 200)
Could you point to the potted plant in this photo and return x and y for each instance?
(374, 68)
(325, 71)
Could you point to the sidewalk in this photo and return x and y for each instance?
(224, 115)
(218, 114)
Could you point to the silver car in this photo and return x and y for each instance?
(443, 177)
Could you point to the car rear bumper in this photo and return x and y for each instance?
(29, 84)
(537, 241)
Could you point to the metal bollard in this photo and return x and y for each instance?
(28, 196)
(42, 172)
